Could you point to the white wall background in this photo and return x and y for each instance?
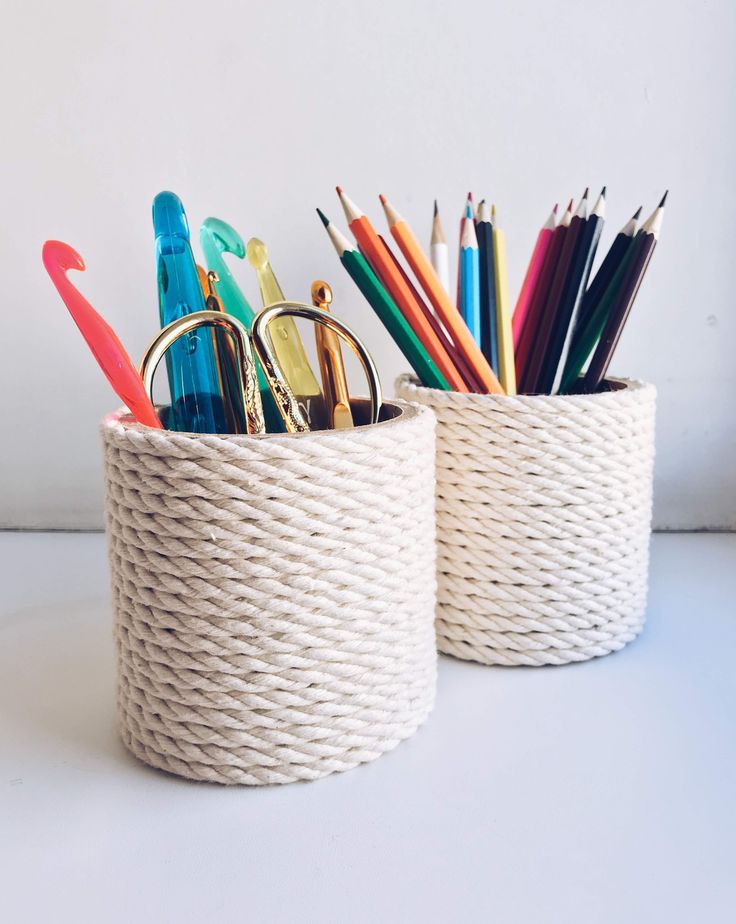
(253, 111)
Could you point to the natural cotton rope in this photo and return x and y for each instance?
(274, 596)
(543, 521)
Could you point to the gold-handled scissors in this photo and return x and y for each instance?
(295, 417)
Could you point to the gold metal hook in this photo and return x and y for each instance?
(246, 361)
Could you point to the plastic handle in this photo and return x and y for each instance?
(102, 340)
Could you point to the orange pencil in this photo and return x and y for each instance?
(462, 367)
(375, 253)
(435, 291)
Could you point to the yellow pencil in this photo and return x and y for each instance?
(506, 371)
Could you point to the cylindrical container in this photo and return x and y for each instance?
(274, 595)
(543, 521)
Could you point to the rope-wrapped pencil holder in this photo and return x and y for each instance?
(273, 595)
(543, 521)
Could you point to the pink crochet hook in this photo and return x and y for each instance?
(101, 338)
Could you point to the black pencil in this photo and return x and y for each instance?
(644, 246)
(575, 285)
(488, 319)
(602, 279)
(533, 372)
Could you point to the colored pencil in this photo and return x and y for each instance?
(507, 369)
(386, 309)
(605, 274)
(462, 367)
(465, 346)
(644, 246)
(368, 241)
(575, 285)
(586, 338)
(438, 251)
(467, 213)
(470, 279)
(533, 271)
(533, 372)
(488, 330)
(536, 305)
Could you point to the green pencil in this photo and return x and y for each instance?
(386, 309)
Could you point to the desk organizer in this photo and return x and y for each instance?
(543, 521)
(273, 595)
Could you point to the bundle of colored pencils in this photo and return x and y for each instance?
(475, 344)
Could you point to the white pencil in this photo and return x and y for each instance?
(438, 251)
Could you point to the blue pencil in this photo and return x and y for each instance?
(470, 278)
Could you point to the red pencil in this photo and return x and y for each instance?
(536, 263)
(539, 296)
(548, 316)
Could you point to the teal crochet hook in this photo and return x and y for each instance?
(217, 237)
(194, 381)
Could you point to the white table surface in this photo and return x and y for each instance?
(598, 792)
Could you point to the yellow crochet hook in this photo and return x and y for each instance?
(287, 343)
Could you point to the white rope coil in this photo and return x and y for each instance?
(274, 596)
(543, 522)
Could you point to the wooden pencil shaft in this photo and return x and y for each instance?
(507, 369)
(441, 335)
(536, 262)
(488, 325)
(393, 320)
(440, 258)
(601, 280)
(533, 318)
(470, 290)
(570, 302)
(548, 314)
(466, 352)
(589, 334)
(619, 313)
(397, 288)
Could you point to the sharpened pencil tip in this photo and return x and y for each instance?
(637, 213)
(382, 198)
(470, 197)
(556, 206)
(468, 212)
(569, 207)
(325, 219)
(603, 192)
(436, 210)
(339, 190)
(587, 190)
(664, 199)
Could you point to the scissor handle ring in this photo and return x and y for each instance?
(276, 379)
(247, 375)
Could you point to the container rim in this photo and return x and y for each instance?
(616, 387)
(394, 412)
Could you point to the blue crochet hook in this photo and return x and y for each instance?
(194, 379)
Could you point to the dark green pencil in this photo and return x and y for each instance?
(386, 309)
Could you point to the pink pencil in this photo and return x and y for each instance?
(532, 275)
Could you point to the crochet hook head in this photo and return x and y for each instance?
(225, 238)
(102, 340)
